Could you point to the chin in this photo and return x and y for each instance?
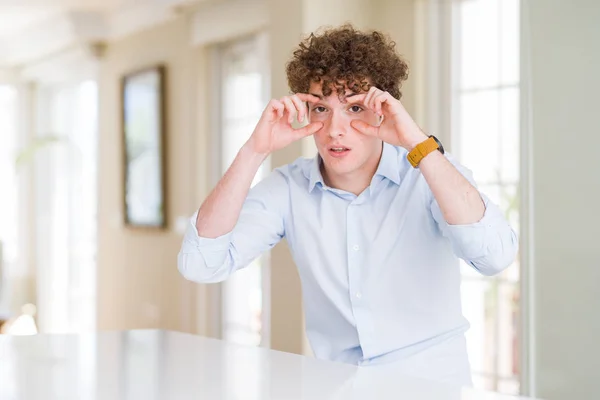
(339, 167)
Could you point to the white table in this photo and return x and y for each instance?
(152, 365)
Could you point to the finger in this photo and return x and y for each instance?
(373, 101)
(308, 130)
(300, 106)
(364, 128)
(378, 101)
(370, 96)
(277, 107)
(290, 108)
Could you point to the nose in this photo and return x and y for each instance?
(338, 125)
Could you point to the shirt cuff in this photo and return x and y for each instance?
(214, 251)
(471, 241)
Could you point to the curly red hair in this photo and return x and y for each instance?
(346, 57)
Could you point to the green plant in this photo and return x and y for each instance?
(28, 153)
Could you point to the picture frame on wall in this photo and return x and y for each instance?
(143, 122)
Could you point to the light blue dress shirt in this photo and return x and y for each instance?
(380, 271)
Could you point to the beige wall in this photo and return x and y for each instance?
(562, 52)
(138, 282)
(138, 285)
(398, 19)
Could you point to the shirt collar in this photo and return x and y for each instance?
(314, 174)
(389, 167)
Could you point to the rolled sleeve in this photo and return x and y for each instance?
(490, 245)
(213, 250)
(259, 227)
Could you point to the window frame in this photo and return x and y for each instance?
(259, 41)
(435, 55)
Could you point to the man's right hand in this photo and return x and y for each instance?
(274, 130)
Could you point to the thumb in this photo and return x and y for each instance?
(365, 128)
(308, 129)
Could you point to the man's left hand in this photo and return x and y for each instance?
(397, 128)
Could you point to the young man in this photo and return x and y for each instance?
(375, 222)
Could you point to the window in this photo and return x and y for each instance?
(485, 137)
(65, 186)
(243, 90)
(9, 188)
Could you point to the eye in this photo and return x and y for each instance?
(319, 109)
(356, 109)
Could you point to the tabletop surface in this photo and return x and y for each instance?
(154, 364)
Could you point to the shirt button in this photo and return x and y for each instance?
(355, 247)
(359, 295)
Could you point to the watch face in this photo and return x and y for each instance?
(440, 146)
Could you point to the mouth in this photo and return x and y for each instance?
(338, 151)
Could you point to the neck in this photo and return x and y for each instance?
(355, 182)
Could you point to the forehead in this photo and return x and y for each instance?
(316, 88)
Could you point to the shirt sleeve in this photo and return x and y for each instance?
(259, 228)
(490, 245)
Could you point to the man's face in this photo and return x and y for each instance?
(343, 149)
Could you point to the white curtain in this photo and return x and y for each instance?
(65, 197)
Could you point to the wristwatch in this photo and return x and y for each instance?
(422, 149)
